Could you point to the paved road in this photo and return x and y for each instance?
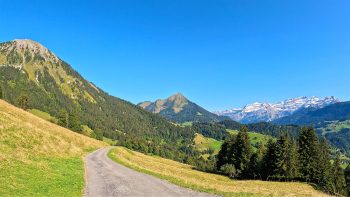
(107, 178)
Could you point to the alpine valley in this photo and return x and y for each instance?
(262, 144)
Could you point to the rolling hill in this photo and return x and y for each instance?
(39, 158)
(179, 109)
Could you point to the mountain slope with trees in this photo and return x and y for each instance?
(32, 77)
(179, 109)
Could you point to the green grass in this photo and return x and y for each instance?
(44, 177)
(43, 115)
(203, 143)
(39, 158)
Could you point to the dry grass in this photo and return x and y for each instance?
(33, 149)
(184, 175)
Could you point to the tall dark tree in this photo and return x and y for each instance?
(74, 122)
(339, 186)
(242, 152)
(269, 164)
(325, 167)
(347, 179)
(309, 154)
(1, 94)
(225, 155)
(282, 146)
(292, 161)
(255, 164)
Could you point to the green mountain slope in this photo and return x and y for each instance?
(179, 109)
(39, 158)
(51, 85)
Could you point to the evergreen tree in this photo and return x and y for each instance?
(347, 179)
(63, 118)
(269, 164)
(1, 94)
(23, 102)
(255, 164)
(292, 161)
(242, 152)
(325, 175)
(74, 122)
(308, 154)
(282, 146)
(338, 177)
(225, 155)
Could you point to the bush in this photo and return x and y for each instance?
(229, 170)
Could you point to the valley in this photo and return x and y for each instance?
(64, 117)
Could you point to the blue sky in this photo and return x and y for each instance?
(219, 53)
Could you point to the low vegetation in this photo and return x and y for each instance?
(184, 175)
(39, 158)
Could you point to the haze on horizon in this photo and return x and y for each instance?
(219, 54)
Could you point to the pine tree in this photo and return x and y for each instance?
(63, 118)
(225, 155)
(282, 146)
(23, 102)
(292, 161)
(1, 94)
(347, 179)
(74, 122)
(255, 164)
(308, 154)
(242, 152)
(338, 177)
(269, 164)
(325, 176)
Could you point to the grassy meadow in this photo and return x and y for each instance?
(203, 143)
(39, 158)
(184, 175)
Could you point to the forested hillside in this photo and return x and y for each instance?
(178, 108)
(32, 77)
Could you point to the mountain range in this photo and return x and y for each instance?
(179, 109)
(268, 112)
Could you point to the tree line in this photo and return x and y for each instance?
(285, 159)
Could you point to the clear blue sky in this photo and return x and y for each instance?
(219, 53)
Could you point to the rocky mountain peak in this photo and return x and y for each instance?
(27, 47)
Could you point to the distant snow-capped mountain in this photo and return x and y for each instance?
(266, 112)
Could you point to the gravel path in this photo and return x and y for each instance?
(105, 178)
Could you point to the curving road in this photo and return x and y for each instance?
(105, 178)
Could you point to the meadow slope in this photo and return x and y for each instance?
(39, 158)
(184, 175)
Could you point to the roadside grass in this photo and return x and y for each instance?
(39, 158)
(185, 176)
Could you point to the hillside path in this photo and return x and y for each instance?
(105, 177)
